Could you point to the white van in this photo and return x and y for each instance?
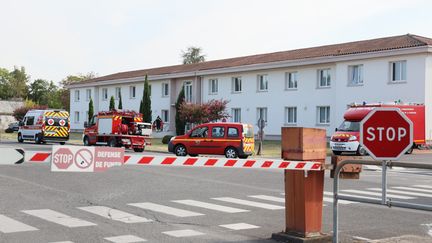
(45, 126)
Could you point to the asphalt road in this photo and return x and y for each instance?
(137, 202)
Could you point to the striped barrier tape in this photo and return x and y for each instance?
(44, 157)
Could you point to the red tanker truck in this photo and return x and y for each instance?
(347, 136)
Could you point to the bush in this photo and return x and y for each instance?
(9, 130)
(166, 139)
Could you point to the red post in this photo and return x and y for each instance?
(303, 189)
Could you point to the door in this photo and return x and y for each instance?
(29, 129)
(91, 130)
(195, 144)
(217, 141)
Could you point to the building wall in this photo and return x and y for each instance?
(376, 87)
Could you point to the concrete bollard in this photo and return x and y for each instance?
(303, 190)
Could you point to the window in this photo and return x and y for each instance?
(291, 80)
(77, 95)
(188, 91)
(104, 94)
(290, 115)
(398, 71)
(236, 114)
(261, 114)
(236, 84)
(355, 75)
(165, 89)
(132, 92)
(88, 94)
(233, 132)
(323, 114)
(77, 118)
(117, 93)
(30, 121)
(218, 132)
(165, 115)
(262, 82)
(200, 132)
(213, 86)
(324, 78)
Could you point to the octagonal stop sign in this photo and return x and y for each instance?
(63, 158)
(386, 133)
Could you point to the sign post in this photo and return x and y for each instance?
(386, 134)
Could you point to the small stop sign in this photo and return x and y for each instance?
(386, 133)
(63, 158)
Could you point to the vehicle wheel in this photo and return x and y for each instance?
(361, 151)
(139, 150)
(243, 156)
(231, 153)
(180, 150)
(62, 143)
(337, 152)
(410, 150)
(112, 143)
(38, 139)
(20, 138)
(86, 141)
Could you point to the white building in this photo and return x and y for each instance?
(308, 87)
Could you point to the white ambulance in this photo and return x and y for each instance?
(45, 126)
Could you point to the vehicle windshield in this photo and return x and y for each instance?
(349, 126)
(248, 131)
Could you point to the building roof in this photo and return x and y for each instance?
(356, 47)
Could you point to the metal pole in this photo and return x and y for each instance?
(384, 183)
(335, 205)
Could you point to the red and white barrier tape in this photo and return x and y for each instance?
(41, 157)
(222, 162)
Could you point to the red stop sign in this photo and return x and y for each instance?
(386, 133)
(63, 158)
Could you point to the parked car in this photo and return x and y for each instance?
(230, 139)
(44, 125)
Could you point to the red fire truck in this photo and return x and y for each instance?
(117, 129)
(347, 136)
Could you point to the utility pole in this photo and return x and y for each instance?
(261, 125)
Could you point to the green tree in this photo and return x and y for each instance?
(193, 55)
(112, 103)
(5, 86)
(90, 110)
(120, 104)
(18, 82)
(64, 92)
(38, 91)
(179, 123)
(145, 106)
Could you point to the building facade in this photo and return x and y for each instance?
(309, 87)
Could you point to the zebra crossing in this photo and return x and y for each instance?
(195, 208)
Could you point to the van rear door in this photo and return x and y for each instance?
(248, 139)
(56, 124)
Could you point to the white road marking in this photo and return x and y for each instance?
(115, 214)
(8, 225)
(211, 206)
(249, 203)
(58, 218)
(125, 239)
(330, 199)
(412, 189)
(418, 194)
(183, 233)
(424, 186)
(165, 209)
(269, 198)
(429, 226)
(377, 194)
(239, 226)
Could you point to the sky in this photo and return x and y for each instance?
(53, 39)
